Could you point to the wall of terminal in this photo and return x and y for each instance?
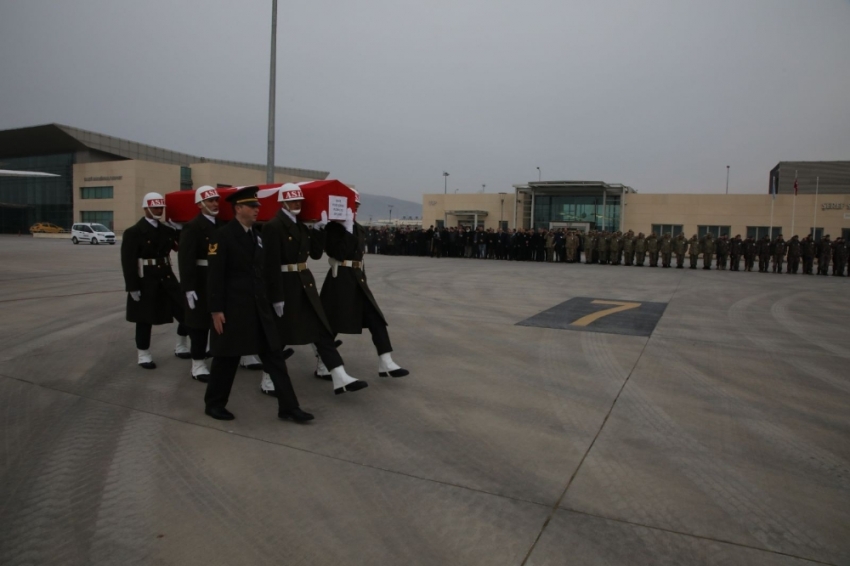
(216, 174)
(640, 211)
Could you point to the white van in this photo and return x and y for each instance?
(92, 233)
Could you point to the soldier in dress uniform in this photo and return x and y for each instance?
(750, 251)
(780, 248)
(666, 248)
(794, 251)
(693, 250)
(292, 289)
(629, 248)
(153, 293)
(640, 249)
(764, 253)
(242, 317)
(192, 262)
(680, 244)
(571, 245)
(735, 249)
(616, 251)
(346, 297)
(708, 248)
(603, 244)
(590, 247)
(839, 257)
(652, 249)
(722, 251)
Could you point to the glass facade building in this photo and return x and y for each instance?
(27, 200)
(594, 210)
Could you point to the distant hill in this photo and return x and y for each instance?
(377, 207)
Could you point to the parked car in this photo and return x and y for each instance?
(92, 233)
(46, 228)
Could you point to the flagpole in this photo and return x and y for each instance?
(815, 221)
(772, 200)
(794, 206)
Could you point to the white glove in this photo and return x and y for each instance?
(191, 297)
(334, 266)
(349, 221)
(321, 223)
(278, 309)
(137, 295)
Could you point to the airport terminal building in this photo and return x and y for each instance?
(822, 201)
(103, 179)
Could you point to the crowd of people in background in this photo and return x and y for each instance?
(617, 248)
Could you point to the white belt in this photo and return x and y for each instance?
(202, 262)
(153, 261)
(294, 267)
(354, 264)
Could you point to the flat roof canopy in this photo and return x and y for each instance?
(467, 212)
(571, 187)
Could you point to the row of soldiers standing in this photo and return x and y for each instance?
(630, 249)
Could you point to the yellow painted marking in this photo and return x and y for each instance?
(621, 306)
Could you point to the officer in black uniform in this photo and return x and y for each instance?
(192, 261)
(346, 296)
(242, 316)
(153, 293)
(292, 289)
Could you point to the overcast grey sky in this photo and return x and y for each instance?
(387, 94)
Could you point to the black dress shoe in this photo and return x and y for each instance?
(400, 372)
(254, 367)
(296, 415)
(325, 377)
(356, 386)
(148, 365)
(202, 378)
(287, 353)
(219, 413)
(184, 355)
(337, 343)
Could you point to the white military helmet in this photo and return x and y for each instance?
(153, 200)
(290, 192)
(356, 195)
(205, 193)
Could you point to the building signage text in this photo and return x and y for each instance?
(104, 178)
(832, 206)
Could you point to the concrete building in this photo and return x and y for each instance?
(103, 178)
(822, 202)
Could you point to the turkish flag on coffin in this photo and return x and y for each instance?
(330, 196)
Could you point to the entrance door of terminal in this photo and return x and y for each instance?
(582, 227)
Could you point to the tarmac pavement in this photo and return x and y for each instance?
(722, 437)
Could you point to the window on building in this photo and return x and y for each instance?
(818, 233)
(95, 192)
(673, 229)
(439, 224)
(98, 216)
(185, 178)
(503, 225)
(845, 233)
(716, 231)
(759, 232)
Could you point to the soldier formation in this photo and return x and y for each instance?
(618, 248)
(248, 293)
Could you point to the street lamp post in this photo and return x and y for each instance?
(502, 211)
(272, 80)
(391, 213)
(539, 175)
(727, 179)
(445, 183)
(483, 187)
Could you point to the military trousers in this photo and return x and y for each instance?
(706, 260)
(764, 260)
(223, 371)
(694, 260)
(640, 257)
(721, 261)
(653, 259)
(749, 261)
(777, 264)
(680, 261)
(666, 259)
(793, 264)
(143, 334)
(735, 262)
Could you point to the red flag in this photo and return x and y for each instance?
(795, 187)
